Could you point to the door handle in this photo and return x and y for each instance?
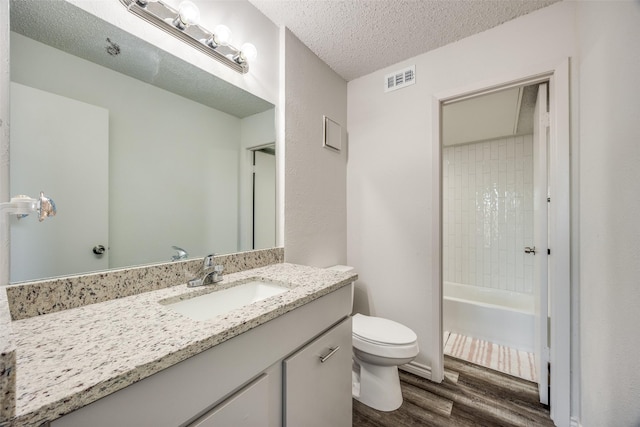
(529, 250)
(99, 249)
(328, 355)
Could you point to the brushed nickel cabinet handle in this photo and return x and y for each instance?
(331, 353)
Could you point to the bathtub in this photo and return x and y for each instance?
(503, 317)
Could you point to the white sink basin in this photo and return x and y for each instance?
(223, 301)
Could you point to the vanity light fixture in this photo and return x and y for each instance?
(184, 24)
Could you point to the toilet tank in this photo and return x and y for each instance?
(344, 268)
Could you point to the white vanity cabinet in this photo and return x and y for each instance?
(240, 381)
(317, 381)
(247, 408)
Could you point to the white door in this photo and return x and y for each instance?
(540, 234)
(59, 146)
(264, 200)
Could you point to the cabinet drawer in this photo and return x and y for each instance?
(317, 381)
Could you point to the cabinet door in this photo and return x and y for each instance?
(317, 381)
(247, 408)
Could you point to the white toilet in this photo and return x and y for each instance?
(379, 347)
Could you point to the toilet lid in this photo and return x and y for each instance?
(384, 331)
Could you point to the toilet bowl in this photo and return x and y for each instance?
(379, 347)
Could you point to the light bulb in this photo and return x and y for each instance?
(222, 35)
(188, 14)
(248, 52)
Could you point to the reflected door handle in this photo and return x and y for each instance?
(99, 250)
(528, 250)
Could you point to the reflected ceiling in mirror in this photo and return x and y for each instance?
(163, 150)
(64, 26)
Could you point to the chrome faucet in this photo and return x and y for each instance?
(180, 254)
(212, 273)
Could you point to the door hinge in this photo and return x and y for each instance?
(548, 199)
(548, 251)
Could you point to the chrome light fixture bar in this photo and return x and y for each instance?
(183, 25)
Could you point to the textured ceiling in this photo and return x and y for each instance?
(357, 37)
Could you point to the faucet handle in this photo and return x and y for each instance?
(208, 261)
(218, 269)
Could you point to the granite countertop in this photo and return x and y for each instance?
(68, 359)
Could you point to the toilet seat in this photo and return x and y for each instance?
(382, 331)
(383, 337)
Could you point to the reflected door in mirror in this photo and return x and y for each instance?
(61, 146)
(264, 199)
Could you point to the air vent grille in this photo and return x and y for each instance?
(400, 79)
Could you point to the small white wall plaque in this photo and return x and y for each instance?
(332, 134)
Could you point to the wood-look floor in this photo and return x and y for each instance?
(470, 395)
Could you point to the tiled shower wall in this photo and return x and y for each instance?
(488, 213)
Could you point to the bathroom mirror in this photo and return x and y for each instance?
(141, 151)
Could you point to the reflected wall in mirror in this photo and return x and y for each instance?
(140, 150)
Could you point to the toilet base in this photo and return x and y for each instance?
(379, 386)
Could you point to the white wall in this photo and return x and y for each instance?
(487, 213)
(389, 178)
(315, 177)
(609, 208)
(163, 167)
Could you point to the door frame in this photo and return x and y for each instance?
(557, 73)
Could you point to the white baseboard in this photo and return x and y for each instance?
(575, 422)
(418, 369)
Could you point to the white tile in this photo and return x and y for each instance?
(527, 143)
(486, 221)
(502, 165)
(511, 149)
(519, 149)
(528, 170)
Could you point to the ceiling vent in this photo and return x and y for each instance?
(400, 79)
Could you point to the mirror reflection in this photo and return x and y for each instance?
(148, 158)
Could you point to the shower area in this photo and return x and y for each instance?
(488, 230)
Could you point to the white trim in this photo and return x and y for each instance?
(560, 244)
(4, 143)
(280, 139)
(437, 365)
(575, 422)
(557, 72)
(533, 74)
(419, 369)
